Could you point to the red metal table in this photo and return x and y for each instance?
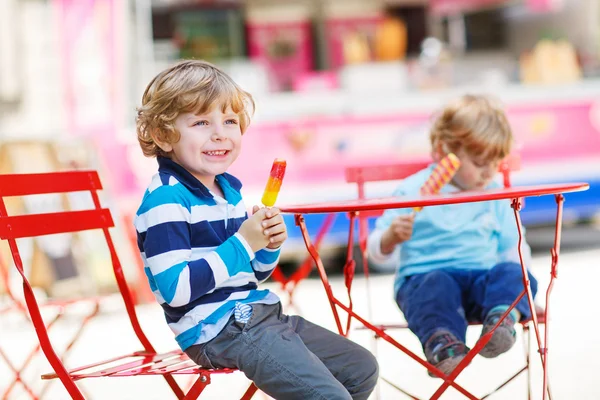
(515, 194)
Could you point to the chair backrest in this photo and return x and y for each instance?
(32, 225)
(397, 171)
(382, 172)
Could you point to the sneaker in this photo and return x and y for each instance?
(444, 351)
(503, 338)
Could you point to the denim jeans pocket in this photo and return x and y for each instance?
(257, 310)
(241, 325)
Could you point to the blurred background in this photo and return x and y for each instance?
(337, 83)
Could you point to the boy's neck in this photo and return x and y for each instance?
(216, 189)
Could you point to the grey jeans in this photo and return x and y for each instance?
(288, 357)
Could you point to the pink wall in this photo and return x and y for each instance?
(451, 6)
(319, 149)
(90, 34)
(284, 47)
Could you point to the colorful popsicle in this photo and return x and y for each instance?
(274, 182)
(441, 175)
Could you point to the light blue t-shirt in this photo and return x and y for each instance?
(460, 236)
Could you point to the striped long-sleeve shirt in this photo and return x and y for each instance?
(197, 265)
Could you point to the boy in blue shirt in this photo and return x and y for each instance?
(204, 256)
(457, 263)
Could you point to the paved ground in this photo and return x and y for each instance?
(574, 348)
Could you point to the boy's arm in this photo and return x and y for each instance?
(376, 256)
(382, 224)
(265, 262)
(508, 243)
(267, 258)
(164, 233)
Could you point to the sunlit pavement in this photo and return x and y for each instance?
(574, 356)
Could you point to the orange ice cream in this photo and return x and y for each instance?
(274, 182)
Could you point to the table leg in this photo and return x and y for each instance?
(555, 251)
(320, 269)
(335, 303)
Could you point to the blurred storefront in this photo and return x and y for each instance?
(337, 82)
(351, 82)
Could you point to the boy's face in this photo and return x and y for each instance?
(209, 143)
(475, 173)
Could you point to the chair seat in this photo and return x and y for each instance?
(73, 220)
(141, 363)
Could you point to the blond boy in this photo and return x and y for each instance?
(457, 263)
(204, 256)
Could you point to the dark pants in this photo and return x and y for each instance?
(451, 298)
(288, 357)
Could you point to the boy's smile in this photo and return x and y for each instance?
(209, 143)
(216, 153)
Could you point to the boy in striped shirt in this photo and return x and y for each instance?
(204, 256)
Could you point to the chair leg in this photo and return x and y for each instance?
(17, 378)
(527, 343)
(250, 392)
(197, 388)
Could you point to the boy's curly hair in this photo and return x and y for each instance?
(475, 124)
(188, 86)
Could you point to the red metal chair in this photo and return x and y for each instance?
(54, 310)
(145, 361)
(360, 175)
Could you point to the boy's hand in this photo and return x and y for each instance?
(265, 228)
(399, 231)
(253, 231)
(274, 227)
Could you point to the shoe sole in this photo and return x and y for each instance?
(447, 365)
(501, 342)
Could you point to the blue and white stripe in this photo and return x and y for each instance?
(242, 312)
(197, 265)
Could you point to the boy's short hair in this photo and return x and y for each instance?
(475, 124)
(188, 86)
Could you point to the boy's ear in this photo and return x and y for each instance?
(164, 145)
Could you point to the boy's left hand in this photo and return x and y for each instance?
(273, 227)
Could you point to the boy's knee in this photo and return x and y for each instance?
(422, 286)
(515, 271)
(370, 370)
(533, 283)
(509, 268)
(436, 279)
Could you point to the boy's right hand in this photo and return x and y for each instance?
(399, 231)
(253, 231)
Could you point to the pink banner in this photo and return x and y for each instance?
(285, 48)
(457, 6)
(544, 5)
(445, 7)
(92, 68)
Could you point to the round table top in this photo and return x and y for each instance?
(434, 200)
